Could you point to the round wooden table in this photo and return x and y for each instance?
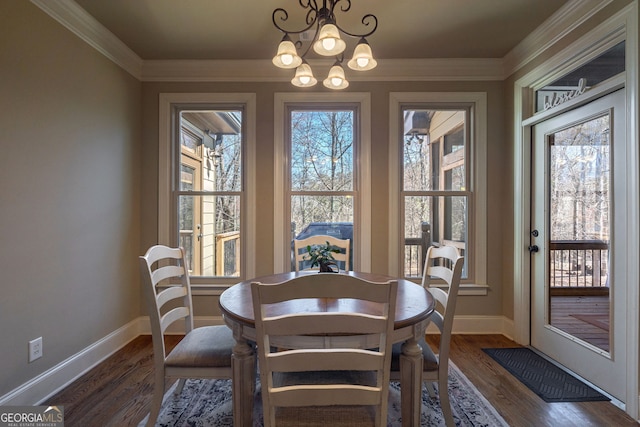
(414, 305)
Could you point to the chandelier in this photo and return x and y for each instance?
(326, 41)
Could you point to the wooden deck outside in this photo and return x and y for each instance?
(585, 317)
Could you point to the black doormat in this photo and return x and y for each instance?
(544, 378)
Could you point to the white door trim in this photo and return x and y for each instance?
(625, 21)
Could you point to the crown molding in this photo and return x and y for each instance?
(264, 71)
(78, 21)
(561, 23)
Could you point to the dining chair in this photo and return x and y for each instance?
(204, 352)
(300, 250)
(442, 266)
(325, 366)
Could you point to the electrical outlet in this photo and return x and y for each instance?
(35, 349)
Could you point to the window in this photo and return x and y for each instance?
(204, 157)
(208, 195)
(433, 182)
(322, 183)
(437, 164)
(322, 152)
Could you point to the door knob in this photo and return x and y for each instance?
(534, 248)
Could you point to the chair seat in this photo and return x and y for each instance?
(193, 349)
(429, 359)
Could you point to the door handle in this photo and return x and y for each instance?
(534, 248)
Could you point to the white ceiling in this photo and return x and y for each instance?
(243, 29)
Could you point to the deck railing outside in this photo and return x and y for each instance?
(415, 250)
(578, 264)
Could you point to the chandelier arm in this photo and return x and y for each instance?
(308, 3)
(345, 8)
(311, 19)
(366, 21)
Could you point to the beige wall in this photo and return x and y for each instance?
(496, 171)
(69, 193)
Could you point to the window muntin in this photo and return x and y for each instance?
(434, 183)
(322, 176)
(208, 190)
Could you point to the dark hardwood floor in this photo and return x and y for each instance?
(118, 391)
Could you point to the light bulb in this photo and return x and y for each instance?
(329, 43)
(305, 80)
(287, 59)
(362, 62)
(336, 81)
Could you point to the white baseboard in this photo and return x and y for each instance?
(38, 389)
(480, 325)
(56, 378)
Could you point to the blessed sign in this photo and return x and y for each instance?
(560, 97)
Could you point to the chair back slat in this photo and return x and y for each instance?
(166, 273)
(172, 316)
(324, 323)
(321, 285)
(169, 294)
(300, 396)
(325, 360)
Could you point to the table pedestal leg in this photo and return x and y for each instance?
(244, 381)
(411, 382)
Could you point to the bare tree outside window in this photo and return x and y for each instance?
(579, 205)
(322, 182)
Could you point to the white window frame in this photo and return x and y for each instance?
(167, 101)
(362, 167)
(477, 163)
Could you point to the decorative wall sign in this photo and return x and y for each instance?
(561, 97)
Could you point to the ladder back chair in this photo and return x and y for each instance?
(204, 352)
(338, 369)
(442, 265)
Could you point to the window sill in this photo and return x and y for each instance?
(470, 289)
(216, 290)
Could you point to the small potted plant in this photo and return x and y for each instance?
(322, 256)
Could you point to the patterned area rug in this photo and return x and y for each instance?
(208, 403)
(542, 377)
